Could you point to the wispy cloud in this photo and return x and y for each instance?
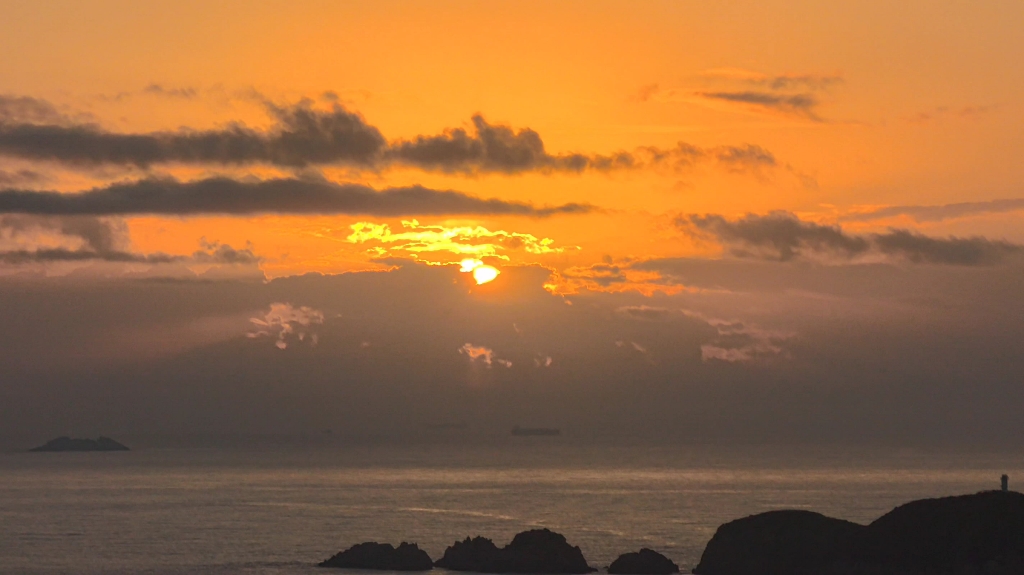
(794, 95)
(483, 354)
(288, 324)
(185, 93)
(937, 213)
(793, 104)
(735, 341)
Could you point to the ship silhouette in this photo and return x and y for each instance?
(535, 431)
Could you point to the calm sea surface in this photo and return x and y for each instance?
(279, 511)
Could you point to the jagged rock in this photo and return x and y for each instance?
(372, 555)
(644, 562)
(68, 444)
(476, 554)
(534, 551)
(778, 543)
(980, 534)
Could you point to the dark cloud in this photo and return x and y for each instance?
(499, 148)
(807, 81)
(305, 136)
(218, 253)
(98, 234)
(952, 250)
(742, 159)
(9, 178)
(783, 236)
(103, 239)
(940, 213)
(794, 104)
(778, 235)
(27, 109)
(301, 137)
(228, 196)
(160, 90)
(645, 312)
(602, 274)
(46, 255)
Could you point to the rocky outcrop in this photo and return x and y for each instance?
(372, 555)
(478, 554)
(643, 562)
(778, 543)
(68, 444)
(534, 551)
(980, 534)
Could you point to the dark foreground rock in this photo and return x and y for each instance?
(644, 562)
(535, 551)
(68, 444)
(372, 555)
(980, 534)
(779, 543)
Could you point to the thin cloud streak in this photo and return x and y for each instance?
(938, 213)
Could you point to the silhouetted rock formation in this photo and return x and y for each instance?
(534, 551)
(68, 444)
(980, 534)
(478, 554)
(644, 562)
(372, 555)
(778, 543)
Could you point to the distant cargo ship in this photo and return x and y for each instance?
(535, 431)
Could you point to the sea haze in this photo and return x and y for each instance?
(280, 510)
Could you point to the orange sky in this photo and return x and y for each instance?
(910, 104)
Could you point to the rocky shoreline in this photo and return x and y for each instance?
(979, 534)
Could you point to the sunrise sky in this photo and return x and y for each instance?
(792, 219)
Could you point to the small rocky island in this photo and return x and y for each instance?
(383, 556)
(68, 444)
(643, 562)
(534, 551)
(970, 534)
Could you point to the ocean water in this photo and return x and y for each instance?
(279, 510)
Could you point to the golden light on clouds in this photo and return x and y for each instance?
(476, 241)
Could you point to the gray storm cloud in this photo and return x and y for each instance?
(293, 196)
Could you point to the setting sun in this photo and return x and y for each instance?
(484, 274)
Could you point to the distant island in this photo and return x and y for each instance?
(68, 444)
(535, 431)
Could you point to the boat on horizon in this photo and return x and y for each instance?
(536, 431)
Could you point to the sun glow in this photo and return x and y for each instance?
(482, 273)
